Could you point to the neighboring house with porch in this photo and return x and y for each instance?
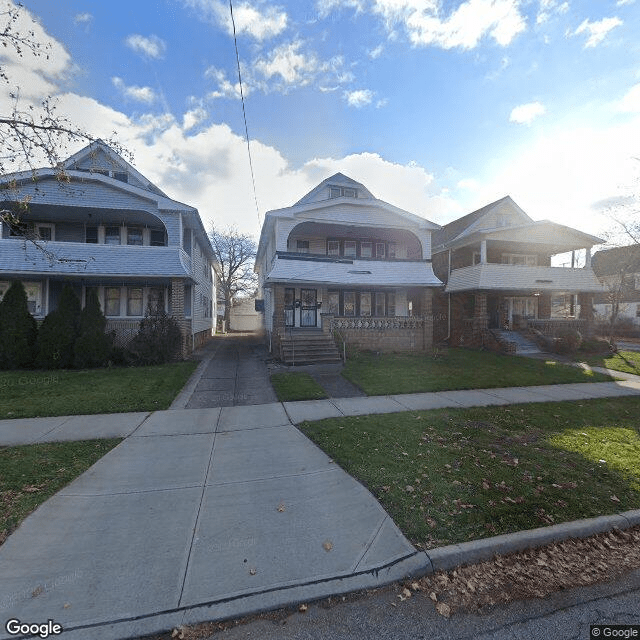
(496, 264)
(340, 262)
(619, 271)
(106, 227)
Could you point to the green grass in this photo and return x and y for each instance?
(27, 394)
(33, 473)
(625, 361)
(448, 476)
(455, 369)
(296, 386)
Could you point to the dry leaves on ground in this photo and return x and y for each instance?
(535, 573)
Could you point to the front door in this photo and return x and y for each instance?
(308, 307)
(289, 295)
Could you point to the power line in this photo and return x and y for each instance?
(244, 115)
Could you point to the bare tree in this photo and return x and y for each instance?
(235, 254)
(33, 134)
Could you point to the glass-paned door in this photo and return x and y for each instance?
(334, 302)
(289, 295)
(308, 307)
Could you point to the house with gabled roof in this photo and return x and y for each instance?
(104, 226)
(496, 264)
(342, 263)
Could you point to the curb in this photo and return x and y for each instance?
(181, 400)
(465, 553)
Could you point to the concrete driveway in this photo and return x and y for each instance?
(199, 514)
(234, 373)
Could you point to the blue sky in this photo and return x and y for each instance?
(438, 106)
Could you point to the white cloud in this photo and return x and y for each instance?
(526, 113)
(596, 32)
(550, 7)
(224, 87)
(630, 103)
(621, 3)
(374, 54)
(139, 94)
(148, 47)
(193, 117)
(425, 24)
(82, 18)
(289, 63)
(358, 98)
(248, 19)
(563, 175)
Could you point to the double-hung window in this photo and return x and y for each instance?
(350, 248)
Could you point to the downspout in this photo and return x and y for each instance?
(449, 301)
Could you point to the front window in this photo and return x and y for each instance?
(156, 298)
(391, 304)
(134, 301)
(350, 248)
(380, 250)
(365, 304)
(156, 237)
(520, 259)
(392, 249)
(349, 303)
(334, 302)
(333, 247)
(91, 235)
(112, 235)
(379, 304)
(44, 231)
(134, 236)
(366, 249)
(112, 301)
(32, 289)
(302, 246)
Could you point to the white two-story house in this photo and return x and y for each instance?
(343, 263)
(105, 227)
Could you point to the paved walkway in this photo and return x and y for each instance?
(208, 513)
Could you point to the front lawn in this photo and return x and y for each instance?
(448, 476)
(625, 361)
(296, 386)
(33, 473)
(28, 394)
(386, 374)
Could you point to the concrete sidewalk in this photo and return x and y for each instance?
(32, 430)
(212, 513)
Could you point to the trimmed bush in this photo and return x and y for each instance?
(93, 346)
(18, 329)
(158, 340)
(59, 332)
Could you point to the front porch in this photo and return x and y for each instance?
(484, 318)
(377, 319)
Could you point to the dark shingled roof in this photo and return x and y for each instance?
(617, 260)
(456, 227)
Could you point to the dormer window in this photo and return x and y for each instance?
(343, 192)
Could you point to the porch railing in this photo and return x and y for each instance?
(377, 324)
(557, 326)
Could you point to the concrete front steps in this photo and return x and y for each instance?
(524, 345)
(309, 346)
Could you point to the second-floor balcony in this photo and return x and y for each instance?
(523, 278)
(27, 257)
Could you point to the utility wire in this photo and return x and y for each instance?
(244, 115)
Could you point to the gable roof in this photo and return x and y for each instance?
(609, 262)
(337, 179)
(464, 225)
(98, 155)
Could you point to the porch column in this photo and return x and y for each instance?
(177, 311)
(278, 317)
(585, 300)
(483, 252)
(587, 258)
(427, 314)
(480, 318)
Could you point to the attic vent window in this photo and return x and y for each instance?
(123, 176)
(343, 192)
